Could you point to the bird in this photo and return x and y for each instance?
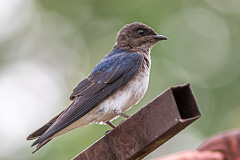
(117, 83)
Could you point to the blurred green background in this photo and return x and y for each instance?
(48, 47)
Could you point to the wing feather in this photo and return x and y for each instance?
(108, 76)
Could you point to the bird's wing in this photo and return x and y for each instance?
(108, 76)
(103, 69)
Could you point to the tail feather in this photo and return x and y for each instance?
(39, 134)
(40, 131)
(35, 142)
(43, 129)
(40, 145)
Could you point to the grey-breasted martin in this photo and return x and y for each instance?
(118, 82)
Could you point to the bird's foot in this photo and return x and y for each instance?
(120, 113)
(110, 124)
(124, 115)
(108, 131)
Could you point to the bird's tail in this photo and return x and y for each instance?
(43, 129)
(41, 144)
(38, 133)
(41, 141)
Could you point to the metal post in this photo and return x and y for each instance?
(149, 128)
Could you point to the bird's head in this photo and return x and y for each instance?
(137, 36)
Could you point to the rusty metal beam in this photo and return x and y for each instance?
(146, 130)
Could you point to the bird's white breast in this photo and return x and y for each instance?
(124, 98)
(120, 101)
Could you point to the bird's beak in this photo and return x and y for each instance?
(160, 37)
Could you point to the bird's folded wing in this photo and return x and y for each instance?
(108, 76)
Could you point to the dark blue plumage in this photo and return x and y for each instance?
(114, 52)
(116, 70)
(115, 65)
(118, 82)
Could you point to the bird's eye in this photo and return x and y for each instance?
(140, 32)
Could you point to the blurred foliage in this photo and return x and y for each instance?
(48, 47)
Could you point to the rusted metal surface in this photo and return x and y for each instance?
(147, 129)
(227, 143)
